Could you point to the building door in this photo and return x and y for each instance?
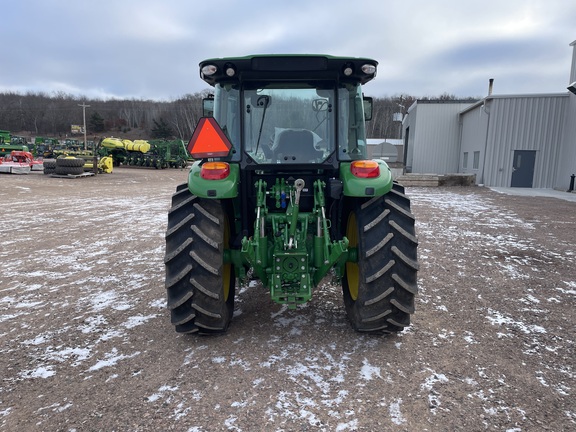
(523, 168)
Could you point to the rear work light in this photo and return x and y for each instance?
(215, 170)
(230, 70)
(369, 69)
(209, 70)
(365, 169)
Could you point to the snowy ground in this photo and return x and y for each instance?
(86, 343)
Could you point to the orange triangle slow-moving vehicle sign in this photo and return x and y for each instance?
(208, 140)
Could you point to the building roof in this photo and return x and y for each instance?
(378, 141)
(510, 96)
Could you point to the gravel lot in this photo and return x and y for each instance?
(86, 343)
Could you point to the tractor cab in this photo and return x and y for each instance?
(290, 110)
(303, 115)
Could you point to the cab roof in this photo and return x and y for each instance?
(276, 67)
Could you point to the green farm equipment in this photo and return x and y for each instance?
(141, 153)
(5, 136)
(9, 142)
(172, 152)
(48, 147)
(281, 191)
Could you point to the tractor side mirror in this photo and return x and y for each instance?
(261, 101)
(208, 107)
(367, 108)
(320, 105)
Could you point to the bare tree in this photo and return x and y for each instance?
(53, 114)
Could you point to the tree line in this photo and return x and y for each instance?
(40, 114)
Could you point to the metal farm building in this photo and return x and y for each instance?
(431, 136)
(505, 140)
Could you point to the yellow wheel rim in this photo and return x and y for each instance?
(352, 270)
(227, 267)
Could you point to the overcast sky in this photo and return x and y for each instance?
(147, 49)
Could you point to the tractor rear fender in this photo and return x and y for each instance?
(378, 182)
(226, 187)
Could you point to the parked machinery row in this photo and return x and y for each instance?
(158, 154)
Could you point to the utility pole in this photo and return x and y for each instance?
(84, 106)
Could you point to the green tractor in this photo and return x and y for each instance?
(281, 191)
(5, 136)
(9, 142)
(47, 147)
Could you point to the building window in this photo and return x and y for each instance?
(476, 162)
(465, 161)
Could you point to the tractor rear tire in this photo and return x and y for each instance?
(380, 286)
(200, 285)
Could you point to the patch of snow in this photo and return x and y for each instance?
(111, 358)
(40, 372)
(138, 320)
(163, 389)
(368, 372)
(497, 318)
(351, 425)
(395, 413)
